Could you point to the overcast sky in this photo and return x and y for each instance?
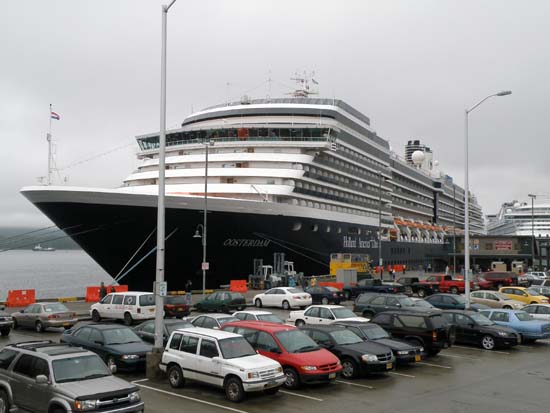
(411, 66)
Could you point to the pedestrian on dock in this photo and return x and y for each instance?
(188, 289)
(102, 291)
(113, 289)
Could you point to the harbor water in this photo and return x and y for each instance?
(61, 273)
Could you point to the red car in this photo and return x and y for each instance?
(176, 306)
(302, 359)
(479, 280)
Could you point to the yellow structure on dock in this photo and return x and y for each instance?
(345, 261)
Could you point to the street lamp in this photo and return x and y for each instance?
(200, 233)
(204, 225)
(467, 197)
(533, 197)
(380, 261)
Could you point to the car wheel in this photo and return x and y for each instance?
(234, 390)
(96, 318)
(240, 308)
(175, 376)
(5, 332)
(349, 369)
(488, 342)
(299, 323)
(368, 314)
(39, 327)
(110, 362)
(292, 378)
(15, 325)
(421, 293)
(4, 402)
(454, 290)
(272, 391)
(534, 302)
(128, 320)
(258, 303)
(286, 305)
(507, 307)
(324, 300)
(59, 410)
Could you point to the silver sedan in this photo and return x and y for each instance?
(43, 315)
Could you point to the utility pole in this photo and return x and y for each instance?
(533, 197)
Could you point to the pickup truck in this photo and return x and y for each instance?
(414, 286)
(447, 284)
(372, 285)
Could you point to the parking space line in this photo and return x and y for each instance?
(483, 350)
(401, 374)
(355, 384)
(221, 406)
(300, 395)
(433, 365)
(458, 357)
(139, 381)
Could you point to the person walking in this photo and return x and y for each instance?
(102, 291)
(188, 291)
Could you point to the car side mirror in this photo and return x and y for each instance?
(398, 305)
(216, 359)
(113, 368)
(41, 379)
(331, 317)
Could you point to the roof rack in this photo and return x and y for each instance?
(37, 344)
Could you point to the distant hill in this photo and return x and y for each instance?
(27, 238)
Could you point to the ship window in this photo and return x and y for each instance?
(297, 226)
(354, 230)
(339, 230)
(314, 227)
(328, 228)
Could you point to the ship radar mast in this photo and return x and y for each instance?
(303, 88)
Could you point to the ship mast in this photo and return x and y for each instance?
(303, 89)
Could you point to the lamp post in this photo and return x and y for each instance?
(454, 229)
(467, 197)
(380, 261)
(533, 197)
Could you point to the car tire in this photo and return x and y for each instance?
(286, 305)
(324, 300)
(258, 303)
(59, 410)
(110, 361)
(421, 292)
(299, 323)
(507, 307)
(453, 290)
(272, 391)
(241, 308)
(96, 318)
(534, 302)
(39, 327)
(175, 376)
(488, 342)
(5, 332)
(234, 390)
(4, 402)
(368, 314)
(350, 369)
(128, 320)
(15, 325)
(292, 378)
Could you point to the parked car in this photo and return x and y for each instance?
(414, 286)
(222, 301)
(538, 311)
(420, 302)
(325, 295)
(452, 302)
(372, 285)
(117, 345)
(357, 357)
(540, 274)
(474, 328)
(146, 330)
(403, 351)
(427, 329)
(41, 316)
(127, 306)
(541, 283)
(447, 284)
(521, 321)
(478, 279)
(302, 359)
(545, 291)
(283, 297)
(322, 314)
(176, 306)
(43, 376)
(533, 278)
(525, 295)
(370, 304)
(222, 359)
(258, 315)
(6, 322)
(500, 278)
(215, 321)
(494, 299)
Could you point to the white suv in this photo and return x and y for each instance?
(127, 306)
(222, 359)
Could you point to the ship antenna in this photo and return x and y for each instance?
(303, 89)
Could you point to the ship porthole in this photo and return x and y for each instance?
(297, 226)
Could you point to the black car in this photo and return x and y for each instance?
(325, 295)
(358, 357)
(427, 329)
(116, 345)
(403, 351)
(414, 286)
(222, 301)
(6, 322)
(452, 302)
(370, 304)
(372, 285)
(146, 330)
(475, 328)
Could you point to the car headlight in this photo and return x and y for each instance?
(422, 349)
(129, 357)
(369, 357)
(279, 369)
(85, 404)
(254, 375)
(309, 368)
(403, 353)
(502, 333)
(134, 397)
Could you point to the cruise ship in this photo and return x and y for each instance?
(300, 175)
(520, 218)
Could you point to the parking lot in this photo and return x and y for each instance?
(458, 379)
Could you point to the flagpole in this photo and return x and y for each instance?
(49, 139)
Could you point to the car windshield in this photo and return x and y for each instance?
(423, 303)
(271, 318)
(343, 313)
(375, 333)
(236, 347)
(295, 341)
(55, 308)
(174, 326)
(224, 320)
(120, 336)
(481, 319)
(532, 292)
(345, 336)
(523, 316)
(79, 368)
(293, 291)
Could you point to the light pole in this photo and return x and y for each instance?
(533, 197)
(454, 229)
(467, 197)
(380, 261)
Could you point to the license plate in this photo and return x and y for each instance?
(151, 310)
(332, 376)
(417, 358)
(389, 366)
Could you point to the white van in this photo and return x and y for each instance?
(127, 306)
